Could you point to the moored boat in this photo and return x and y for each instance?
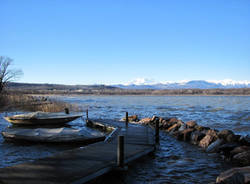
(52, 135)
(42, 118)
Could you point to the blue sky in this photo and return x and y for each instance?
(90, 42)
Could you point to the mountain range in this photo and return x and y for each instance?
(193, 84)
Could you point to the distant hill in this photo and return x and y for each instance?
(194, 84)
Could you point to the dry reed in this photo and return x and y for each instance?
(11, 102)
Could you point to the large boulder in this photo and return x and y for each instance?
(145, 121)
(173, 128)
(242, 159)
(210, 137)
(187, 134)
(224, 133)
(182, 127)
(240, 175)
(228, 135)
(173, 120)
(245, 140)
(196, 137)
(227, 148)
(239, 149)
(133, 118)
(165, 124)
(214, 147)
(191, 124)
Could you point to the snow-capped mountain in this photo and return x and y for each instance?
(198, 84)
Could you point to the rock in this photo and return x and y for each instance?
(245, 140)
(154, 118)
(131, 118)
(224, 133)
(165, 124)
(172, 121)
(191, 124)
(227, 148)
(160, 120)
(210, 137)
(228, 135)
(215, 146)
(242, 159)
(182, 127)
(239, 149)
(187, 134)
(212, 133)
(173, 128)
(196, 136)
(232, 138)
(206, 141)
(145, 121)
(240, 175)
(199, 128)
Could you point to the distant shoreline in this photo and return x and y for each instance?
(55, 89)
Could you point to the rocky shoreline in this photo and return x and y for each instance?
(229, 146)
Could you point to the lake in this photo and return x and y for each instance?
(174, 161)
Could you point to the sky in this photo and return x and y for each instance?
(112, 42)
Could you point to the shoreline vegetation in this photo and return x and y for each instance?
(23, 102)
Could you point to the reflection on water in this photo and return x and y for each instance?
(174, 162)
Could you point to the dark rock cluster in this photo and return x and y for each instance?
(230, 146)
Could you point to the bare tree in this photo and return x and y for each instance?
(7, 73)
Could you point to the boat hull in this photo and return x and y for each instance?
(34, 121)
(48, 135)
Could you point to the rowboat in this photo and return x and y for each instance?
(52, 135)
(42, 118)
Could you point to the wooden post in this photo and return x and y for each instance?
(157, 132)
(126, 118)
(120, 151)
(66, 110)
(87, 115)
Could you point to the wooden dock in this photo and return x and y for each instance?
(85, 163)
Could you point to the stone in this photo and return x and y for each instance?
(242, 159)
(173, 128)
(206, 141)
(210, 137)
(165, 124)
(232, 138)
(212, 133)
(191, 124)
(182, 127)
(239, 149)
(199, 128)
(173, 121)
(214, 147)
(196, 136)
(238, 175)
(224, 133)
(145, 121)
(154, 118)
(227, 148)
(131, 118)
(245, 140)
(187, 134)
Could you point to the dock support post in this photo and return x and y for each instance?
(157, 132)
(120, 152)
(126, 119)
(87, 115)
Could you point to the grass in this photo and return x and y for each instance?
(23, 102)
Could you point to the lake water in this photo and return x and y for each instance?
(174, 161)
